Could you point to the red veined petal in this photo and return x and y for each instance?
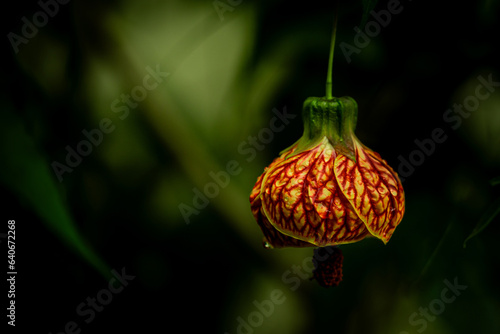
(301, 199)
(373, 189)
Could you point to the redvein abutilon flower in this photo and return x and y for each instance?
(328, 188)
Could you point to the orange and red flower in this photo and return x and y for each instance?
(328, 188)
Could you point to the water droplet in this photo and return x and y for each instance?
(267, 245)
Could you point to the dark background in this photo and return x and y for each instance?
(119, 208)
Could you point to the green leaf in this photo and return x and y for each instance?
(29, 175)
(495, 181)
(488, 216)
(368, 6)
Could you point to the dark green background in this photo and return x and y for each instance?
(119, 208)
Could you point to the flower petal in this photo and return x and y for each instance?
(272, 237)
(373, 189)
(341, 223)
(300, 198)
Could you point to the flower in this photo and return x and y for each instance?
(328, 188)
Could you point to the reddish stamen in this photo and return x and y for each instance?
(328, 266)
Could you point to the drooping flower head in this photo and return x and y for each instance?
(327, 189)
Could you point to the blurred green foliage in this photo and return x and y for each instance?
(119, 207)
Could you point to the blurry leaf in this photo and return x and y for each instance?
(368, 6)
(204, 56)
(495, 181)
(434, 253)
(265, 295)
(490, 214)
(28, 175)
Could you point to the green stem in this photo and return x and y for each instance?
(330, 60)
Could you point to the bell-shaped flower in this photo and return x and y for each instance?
(328, 188)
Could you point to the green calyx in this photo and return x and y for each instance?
(334, 119)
